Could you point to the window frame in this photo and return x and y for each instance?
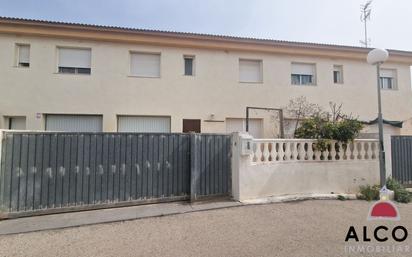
(131, 52)
(193, 58)
(260, 61)
(338, 68)
(75, 69)
(313, 76)
(389, 81)
(393, 80)
(17, 55)
(9, 121)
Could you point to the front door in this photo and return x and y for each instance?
(191, 125)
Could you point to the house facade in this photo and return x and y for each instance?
(74, 77)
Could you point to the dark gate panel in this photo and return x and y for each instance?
(401, 147)
(46, 172)
(42, 171)
(211, 170)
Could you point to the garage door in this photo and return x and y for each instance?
(153, 124)
(239, 125)
(74, 123)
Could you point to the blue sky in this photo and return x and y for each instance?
(321, 21)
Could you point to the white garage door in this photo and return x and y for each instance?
(143, 124)
(239, 125)
(74, 123)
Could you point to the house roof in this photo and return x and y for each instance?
(12, 25)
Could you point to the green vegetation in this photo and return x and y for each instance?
(325, 130)
(341, 198)
(401, 194)
(370, 193)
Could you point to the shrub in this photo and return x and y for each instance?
(369, 193)
(324, 130)
(401, 194)
(341, 198)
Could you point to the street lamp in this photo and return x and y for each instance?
(377, 57)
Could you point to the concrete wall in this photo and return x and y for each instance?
(215, 88)
(252, 181)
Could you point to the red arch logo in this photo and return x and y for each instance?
(384, 210)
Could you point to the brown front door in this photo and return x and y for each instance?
(190, 125)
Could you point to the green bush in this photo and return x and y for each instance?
(324, 130)
(369, 193)
(401, 194)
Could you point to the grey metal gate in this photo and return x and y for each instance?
(56, 172)
(401, 147)
(210, 165)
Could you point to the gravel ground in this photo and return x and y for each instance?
(298, 229)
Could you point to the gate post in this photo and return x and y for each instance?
(194, 165)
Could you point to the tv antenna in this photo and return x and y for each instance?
(365, 16)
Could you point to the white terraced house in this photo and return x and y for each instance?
(59, 76)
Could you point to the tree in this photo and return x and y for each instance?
(299, 108)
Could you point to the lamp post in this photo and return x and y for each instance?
(377, 57)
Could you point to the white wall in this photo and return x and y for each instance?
(252, 181)
(215, 88)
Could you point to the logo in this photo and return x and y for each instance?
(384, 209)
(375, 237)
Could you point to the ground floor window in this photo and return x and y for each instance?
(16, 122)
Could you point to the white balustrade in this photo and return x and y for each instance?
(296, 150)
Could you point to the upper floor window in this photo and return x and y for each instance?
(74, 60)
(250, 71)
(338, 74)
(189, 65)
(303, 74)
(23, 55)
(388, 78)
(145, 65)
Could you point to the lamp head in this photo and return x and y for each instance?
(377, 56)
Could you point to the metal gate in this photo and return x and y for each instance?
(401, 147)
(56, 172)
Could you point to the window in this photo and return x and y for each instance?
(17, 123)
(23, 55)
(145, 65)
(303, 74)
(189, 63)
(250, 71)
(338, 74)
(388, 78)
(74, 60)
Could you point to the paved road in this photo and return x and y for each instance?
(298, 229)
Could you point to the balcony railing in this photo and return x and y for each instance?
(282, 150)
